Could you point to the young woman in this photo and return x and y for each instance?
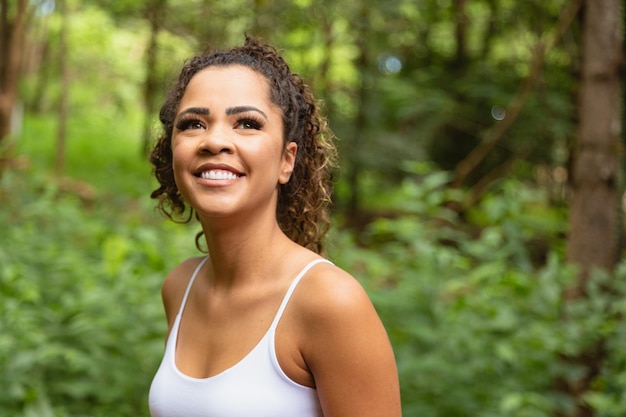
(263, 325)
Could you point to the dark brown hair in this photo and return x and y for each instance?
(302, 210)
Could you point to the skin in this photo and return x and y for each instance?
(330, 336)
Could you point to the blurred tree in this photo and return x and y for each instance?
(496, 134)
(594, 216)
(63, 109)
(594, 237)
(360, 133)
(154, 13)
(435, 86)
(13, 20)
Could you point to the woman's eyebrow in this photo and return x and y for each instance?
(203, 111)
(242, 109)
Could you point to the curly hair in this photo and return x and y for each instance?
(302, 209)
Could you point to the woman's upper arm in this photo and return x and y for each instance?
(347, 349)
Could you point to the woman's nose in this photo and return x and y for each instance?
(216, 140)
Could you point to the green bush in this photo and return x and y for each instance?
(81, 324)
(478, 329)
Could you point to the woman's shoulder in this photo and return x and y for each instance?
(343, 340)
(328, 292)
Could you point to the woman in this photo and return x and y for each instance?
(263, 325)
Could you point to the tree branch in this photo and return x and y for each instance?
(496, 134)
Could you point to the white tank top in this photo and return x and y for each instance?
(255, 387)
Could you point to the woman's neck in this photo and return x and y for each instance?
(244, 251)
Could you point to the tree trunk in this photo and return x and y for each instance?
(59, 160)
(460, 34)
(154, 13)
(488, 35)
(594, 218)
(11, 43)
(354, 156)
(593, 234)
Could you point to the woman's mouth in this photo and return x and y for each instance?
(218, 174)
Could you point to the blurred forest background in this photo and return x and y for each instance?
(478, 200)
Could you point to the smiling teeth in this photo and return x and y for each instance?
(218, 175)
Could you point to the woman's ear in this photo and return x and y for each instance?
(289, 162)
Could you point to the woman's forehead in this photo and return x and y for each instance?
(227, 81)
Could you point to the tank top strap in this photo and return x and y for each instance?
(193, 277)
(292, 287)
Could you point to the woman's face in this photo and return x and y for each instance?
(227, 144)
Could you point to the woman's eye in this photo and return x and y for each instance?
(189, 125)
(248, 124)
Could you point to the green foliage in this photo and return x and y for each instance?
(81, 324)
(478, 328)
(608, 390)
(103, 148)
